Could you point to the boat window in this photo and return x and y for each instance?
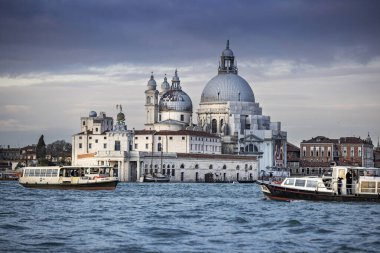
(300, 182)
(94, 170)
(289, 181)
(54, 173)
(37, 172)
(48, 172)
(43, 172)
(311, 183)
(26, 173)
(368, 187)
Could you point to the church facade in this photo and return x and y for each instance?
(231, 141)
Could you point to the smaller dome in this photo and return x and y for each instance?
(152, 83)
(165, 86)
(120, 117)
(92, 114)
(227, 52)
(176, 100)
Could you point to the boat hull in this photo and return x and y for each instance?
(277, 192)
(110, 185)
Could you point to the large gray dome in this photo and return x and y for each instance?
(176, 100)
(227, 87)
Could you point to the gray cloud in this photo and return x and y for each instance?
(58, 35)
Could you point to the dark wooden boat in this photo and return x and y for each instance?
(365, 187)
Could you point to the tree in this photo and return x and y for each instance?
(41, 151)
(58, 151)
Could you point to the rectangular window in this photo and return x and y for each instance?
(80, 137)
(352, 152)
(117, 145)
(311, 183)
(159, 138)
(322, 151)
(96, 140)
(289, 181)
(105, 145)
(360, 151)
(84, 123)
(304, 151)
(345, 151)
(173, 172)
(183, 137)
(300, 182)
(136, 146)
(96, 129)
(182, 117)
(80, 145)
(90, 145)
(147, 146)
(90, 138)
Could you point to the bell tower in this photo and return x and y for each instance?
(151, 103)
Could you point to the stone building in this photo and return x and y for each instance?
(293, 158)
(232, 140)
(320, 153)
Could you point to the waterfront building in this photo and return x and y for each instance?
(376, 155)
(320, 153)
(293, 158)
(232, 140)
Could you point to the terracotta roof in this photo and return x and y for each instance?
(305, 163)
(320, 139)
(292, 148)
(351, 140)
(217, 157)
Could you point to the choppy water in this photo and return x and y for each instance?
(180, 218)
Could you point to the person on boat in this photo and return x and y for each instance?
(339, 186)
(349, 182)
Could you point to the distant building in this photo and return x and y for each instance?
(293, 158)
(10, 154)
(29, 155)
(320, 153)
(376, 156)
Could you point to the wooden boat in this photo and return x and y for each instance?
(155, 178)
(365, 186)
(69, 177)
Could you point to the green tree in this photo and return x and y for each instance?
(41, 151)
(59, 151)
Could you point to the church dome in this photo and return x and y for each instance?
(227, 52)
(152, 83)
(92, 114)
(175, 100)
(227, 87)
(165, 86)
(120, 117)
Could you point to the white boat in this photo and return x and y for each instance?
(69, 177)
(364, 186)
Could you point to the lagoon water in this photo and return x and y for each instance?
(180, 218)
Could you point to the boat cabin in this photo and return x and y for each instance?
(354, 180)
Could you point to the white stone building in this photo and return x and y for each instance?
(232, 140)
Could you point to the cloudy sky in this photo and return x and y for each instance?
(313, 65)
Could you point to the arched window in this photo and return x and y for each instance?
(224, 167)
(163, 166)
(237, 167)
(221, 124)
(210, 167)
(196, 166)
(250, 167)
(148, 100)
(214, 127)
(173, 166)
(182, 166)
